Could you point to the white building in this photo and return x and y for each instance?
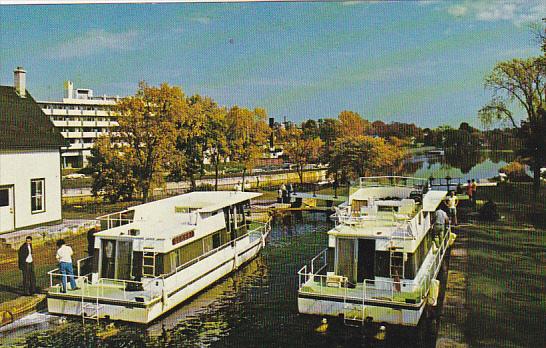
(81, 118)
(30, 160)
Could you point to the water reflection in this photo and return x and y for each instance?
(254, 307)
(467, 165)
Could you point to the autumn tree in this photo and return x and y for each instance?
(354, 157)
(521, 82)
(352, 124)
(147, 131)
(247, 133)
(217, 147)
(192, 141)
(302, 150)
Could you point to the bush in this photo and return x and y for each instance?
(205, 187)
(515, 171)
(489, 211)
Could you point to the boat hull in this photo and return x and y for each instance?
(177, 289)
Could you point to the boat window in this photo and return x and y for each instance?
(387, 208)
(357, 204)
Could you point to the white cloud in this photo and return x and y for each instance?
(93, 42)
(518, 11)
(457, 11)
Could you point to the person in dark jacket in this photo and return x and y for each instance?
(26, 265)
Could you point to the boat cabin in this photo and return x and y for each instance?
(156, 238)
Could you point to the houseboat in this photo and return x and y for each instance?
(150, 258)
(383, 256)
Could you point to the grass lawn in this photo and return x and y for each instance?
(506, 293)
(44, 261)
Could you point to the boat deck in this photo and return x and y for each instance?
(105, 290)
(320, 288)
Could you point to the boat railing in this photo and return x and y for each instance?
(117, 219)
(391, 180)
(387, 290)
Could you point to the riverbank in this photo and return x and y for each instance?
(496, 293)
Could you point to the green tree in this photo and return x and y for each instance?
(216, 129)
(301, 150)
(112, 171)
(247, 134)
(521, 82)
(329, 132)
(147, 131)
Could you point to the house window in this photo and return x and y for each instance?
(37, 195)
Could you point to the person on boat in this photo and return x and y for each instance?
(279, 195)
(26, 265)
(64, 256)
(440, 223)
(452, 202)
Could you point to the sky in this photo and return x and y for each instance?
(415, 62)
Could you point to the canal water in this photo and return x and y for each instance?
(254, 307)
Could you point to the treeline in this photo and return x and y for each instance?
(164, 134)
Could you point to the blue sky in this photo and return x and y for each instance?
(420, 62)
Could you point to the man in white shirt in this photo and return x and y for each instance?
(26, 265)
(441, 219)
(64, 256)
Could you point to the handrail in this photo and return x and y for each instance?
(423, 285)
(393, 180)
(263, 229)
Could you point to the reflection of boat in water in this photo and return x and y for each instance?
(223, 291)
(383, 256)
(437, 152)
(154, 256)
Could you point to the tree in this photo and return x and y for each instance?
(523, 82)
(192, 140)
(329, 132)
(351, 124)
(355, 157)
(147, 131)
(112, 172)
(301, 150)
(216, 129)
(247, 133)
(310, 129)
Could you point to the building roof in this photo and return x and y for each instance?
(23, 124)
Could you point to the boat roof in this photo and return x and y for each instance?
(168, 217)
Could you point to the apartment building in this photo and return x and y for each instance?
(81, 118)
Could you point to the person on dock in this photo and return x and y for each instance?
(469, 191)
(474, 189)
(452, 202)
(26, 265)
(64, 256)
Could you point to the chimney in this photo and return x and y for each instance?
(20, 80)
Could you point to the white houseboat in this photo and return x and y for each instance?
(383, 255)
(150, 258)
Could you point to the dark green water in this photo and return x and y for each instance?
(254, 307)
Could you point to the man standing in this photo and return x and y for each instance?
(474, 189)
(64, 256)
(26, 265)
(452, 202)
(440, 222)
